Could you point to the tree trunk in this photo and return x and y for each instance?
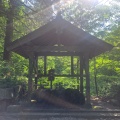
(9, 30)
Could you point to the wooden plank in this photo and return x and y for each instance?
(55, 48)
(59, 53)
(64, 75)
(50, 54)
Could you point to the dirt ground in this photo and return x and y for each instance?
(97, 104)
(103, 103)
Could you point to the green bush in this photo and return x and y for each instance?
(10, 82)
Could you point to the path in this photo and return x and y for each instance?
(102, 110)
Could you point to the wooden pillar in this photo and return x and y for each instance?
(51, 84)
(81, 73)
(78, 78)
(36, 71)
(30, 82)
(87, 80)
(45, 65)
(95, 76)
(72, 69)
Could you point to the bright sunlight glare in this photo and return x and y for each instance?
(63, 4)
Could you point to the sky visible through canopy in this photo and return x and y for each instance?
(44, 11)
(63, 4)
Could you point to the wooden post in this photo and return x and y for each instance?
(30, 82)
(81, 73)
(36, 70)
(95, 76)
(51, 84)
(78, 78)
(72, 69)
(87, 80)
(45, 65)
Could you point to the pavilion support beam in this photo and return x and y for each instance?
(81, 74)
(45, 65)
(59, 53)
(87, 80)
(78, 77)
(30, 82)
(72, 69)
(36, 70)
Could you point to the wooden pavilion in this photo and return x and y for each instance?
(59, 38)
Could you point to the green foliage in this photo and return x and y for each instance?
(65, 82)
(11, 82)
(101, 20)
(11, 75)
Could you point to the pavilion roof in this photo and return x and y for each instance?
(59, 38)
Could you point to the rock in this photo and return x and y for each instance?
(69, 95)
(74, 96)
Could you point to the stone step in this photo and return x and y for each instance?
(69, 111)
(79, 115)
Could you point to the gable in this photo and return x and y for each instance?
(61, 38)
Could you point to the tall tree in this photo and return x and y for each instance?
(9, 29)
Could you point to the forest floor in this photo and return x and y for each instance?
(98, 104)
(103, 103)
